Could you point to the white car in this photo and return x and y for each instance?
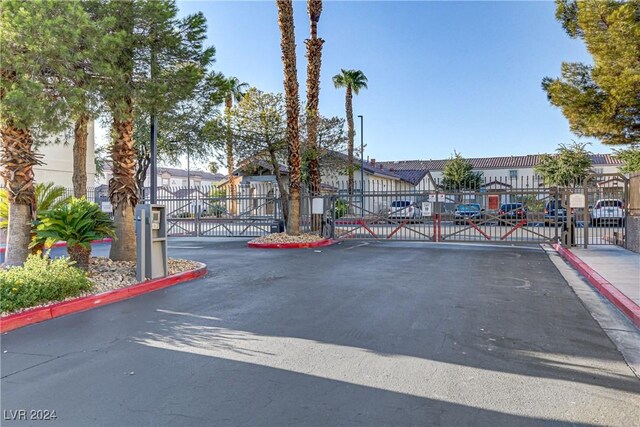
(405, 209)
(608, 211)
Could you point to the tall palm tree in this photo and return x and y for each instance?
(18, 160)
(314, 61)
(353, 81)
(233, 90)
(288, 46)
(123, 191)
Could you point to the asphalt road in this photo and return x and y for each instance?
(353, 334)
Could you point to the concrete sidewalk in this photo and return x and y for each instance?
(620, 269)
(619, 266)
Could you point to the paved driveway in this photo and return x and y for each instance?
(356, 334)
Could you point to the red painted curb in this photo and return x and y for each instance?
(39, 314)
(318, 244)
(602, 285)
(61, 244)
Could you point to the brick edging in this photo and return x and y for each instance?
(39, 314)
(62, 244)
(318, 244)
(602, 285)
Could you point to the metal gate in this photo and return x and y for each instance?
(205, 212)
(505, 210)
(604, 217)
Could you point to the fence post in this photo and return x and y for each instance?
(332, 226)
(632, 220)
(586, 220)
(197, 216)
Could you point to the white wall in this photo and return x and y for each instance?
(58, 162)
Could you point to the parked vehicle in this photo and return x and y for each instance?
(510, 212)
(608, 211)
(550, 214)
(468, 211)
(404, 209)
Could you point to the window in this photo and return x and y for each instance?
(400, 204)
(513, 173)
(598, 170)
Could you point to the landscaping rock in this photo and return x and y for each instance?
(285, 238)
(107, 275)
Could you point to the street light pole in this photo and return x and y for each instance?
(154, 161)
(153, 183)
(361, 165)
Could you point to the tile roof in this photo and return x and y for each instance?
(410, 175)
(372, 168)
(175, 172)
(489, 162)
(262, 163)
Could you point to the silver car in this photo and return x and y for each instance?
(404, 209)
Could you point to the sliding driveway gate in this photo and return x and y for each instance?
(493, 210)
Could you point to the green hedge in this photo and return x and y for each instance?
(38, 281)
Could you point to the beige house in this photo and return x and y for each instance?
(175, 177)
(495, 169)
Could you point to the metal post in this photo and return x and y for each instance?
(586, 220)
(361, 166)
(197, 216)
(154, 161)
(188, 171)
(153, 197)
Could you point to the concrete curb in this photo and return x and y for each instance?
(62, 244)
(39, 314)
(602, 285)
(318, 244)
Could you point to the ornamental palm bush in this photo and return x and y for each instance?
(48, 196)
(78, 223)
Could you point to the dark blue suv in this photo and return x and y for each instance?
(550, 212)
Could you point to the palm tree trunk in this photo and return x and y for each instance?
(314, 62)
(80, 255)
(288, 46)
(350, 136)
(79, 178)
(122, 187)
(284, 197)
(230, 159)
(18, 160)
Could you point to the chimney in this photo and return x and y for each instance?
(373, 163)
(381, 167)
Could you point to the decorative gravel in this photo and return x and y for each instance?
(107, 275)
(285, 238)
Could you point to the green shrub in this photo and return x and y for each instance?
(78, 223)
(341, 208)
(216, 210)
(48, 196)
(39, 281)
(218, 193)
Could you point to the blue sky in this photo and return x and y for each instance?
(442, 75)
